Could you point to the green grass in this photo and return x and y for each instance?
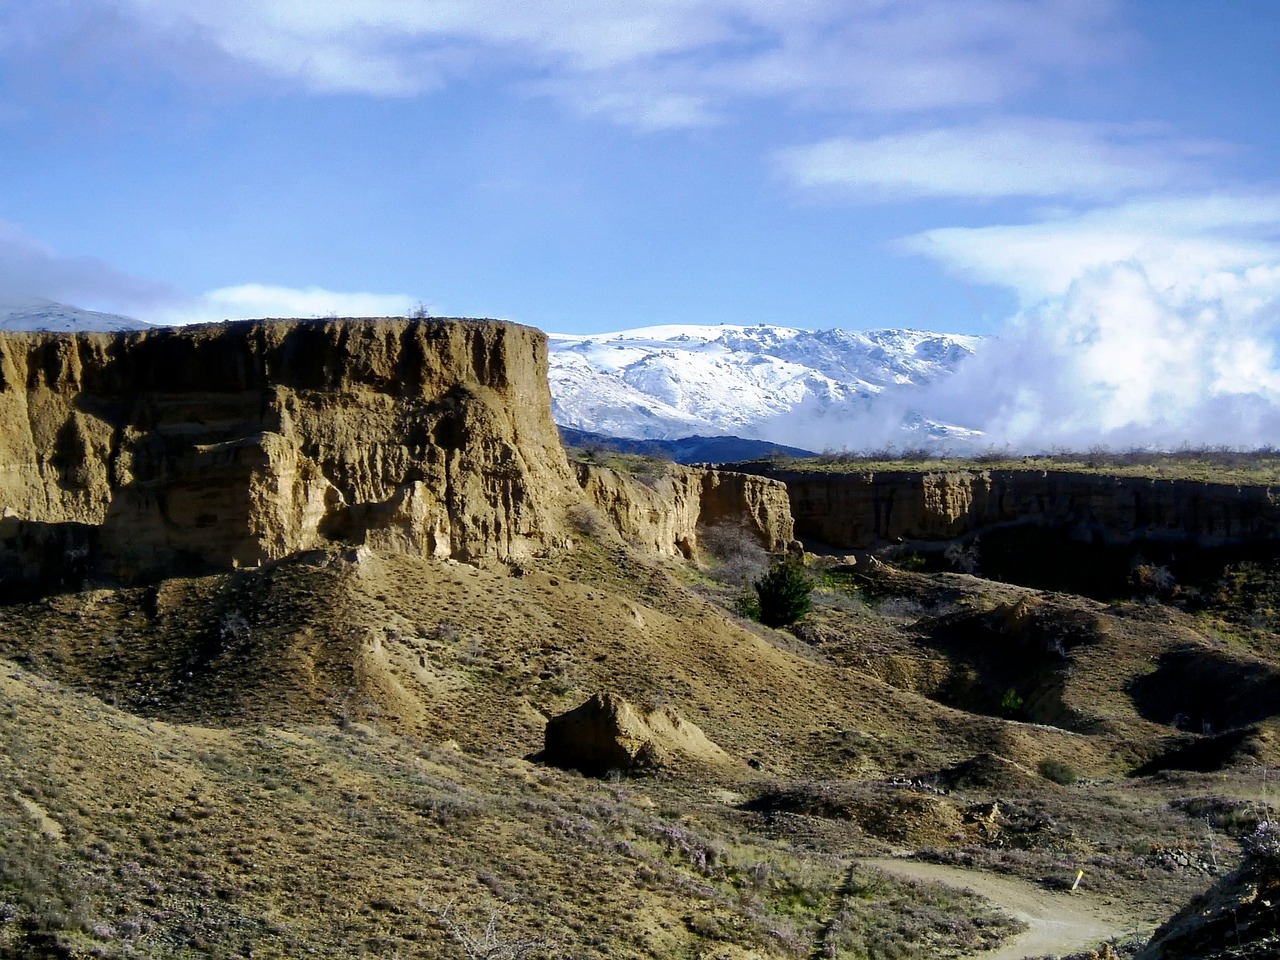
(648, 470)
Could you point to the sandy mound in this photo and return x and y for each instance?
(989, 771)
(608, 733)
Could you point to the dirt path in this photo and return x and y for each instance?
(1059, 922)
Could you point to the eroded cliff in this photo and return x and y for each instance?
(230, 445)
(132, 456)
(863, 510)
(667, 516)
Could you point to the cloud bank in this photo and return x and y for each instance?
(1120, 360)
(30, 269)
(253, 301)
(1154, 324)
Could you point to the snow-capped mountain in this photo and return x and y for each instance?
(672, 381)
(36, 314)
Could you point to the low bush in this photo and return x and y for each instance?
(1058, 771)
(1263, 845)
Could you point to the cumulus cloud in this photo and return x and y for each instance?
(1122, 361)
(649, 62)
(1005, 157)
(1152, 323)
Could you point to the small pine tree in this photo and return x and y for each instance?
(784, 594)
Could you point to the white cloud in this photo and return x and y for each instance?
(691, 58)
(1116, 360)
(1120, 361)
(1189, 244)
(1153, 323)
(252, 301)
(1008, 157)
(30, 270)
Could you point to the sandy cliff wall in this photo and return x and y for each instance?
(224, 445)
(667, 516)
(869, 509)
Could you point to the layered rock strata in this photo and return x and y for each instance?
(230, 445)
(864, 510)
(666, 516)
(136, 455)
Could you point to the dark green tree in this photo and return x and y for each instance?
(784, 593)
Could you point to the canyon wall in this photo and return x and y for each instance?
(133, 456)
(865, 510)
(229, 445)
(665, 517)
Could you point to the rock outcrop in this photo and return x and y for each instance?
(144, 453)
(864, 510)
(136, 455)
(608, 733)
(666, 516)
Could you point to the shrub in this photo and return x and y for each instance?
(747, 604)
(1263, 845)
(963, 557)
(784, 593)
(739, 559)
(1058, 771)
(1011, 703)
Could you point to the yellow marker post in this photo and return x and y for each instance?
(1079, 874)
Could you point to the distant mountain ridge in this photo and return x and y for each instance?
(35, 313)
(723, 449)
(668, 382)
(707, 392)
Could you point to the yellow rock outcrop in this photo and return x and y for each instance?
(665, 517)
(142, 454)
(234, 444)
(871, 508)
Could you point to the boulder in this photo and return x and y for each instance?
(607, 733)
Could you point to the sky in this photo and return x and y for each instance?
(1092, 182)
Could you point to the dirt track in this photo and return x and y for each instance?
(1059, 922)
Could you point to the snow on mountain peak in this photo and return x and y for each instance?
(34, 313)
(669, 381)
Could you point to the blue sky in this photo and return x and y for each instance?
(586, 165)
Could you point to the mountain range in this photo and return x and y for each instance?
(694, 391)
(668, 382)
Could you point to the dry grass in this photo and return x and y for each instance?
(328, 758)
(1207, 465)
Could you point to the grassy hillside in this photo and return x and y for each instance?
(332, 756)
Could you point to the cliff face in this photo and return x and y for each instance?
(147, 453)
(666, 518)
(865, 510)
(229, 445)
